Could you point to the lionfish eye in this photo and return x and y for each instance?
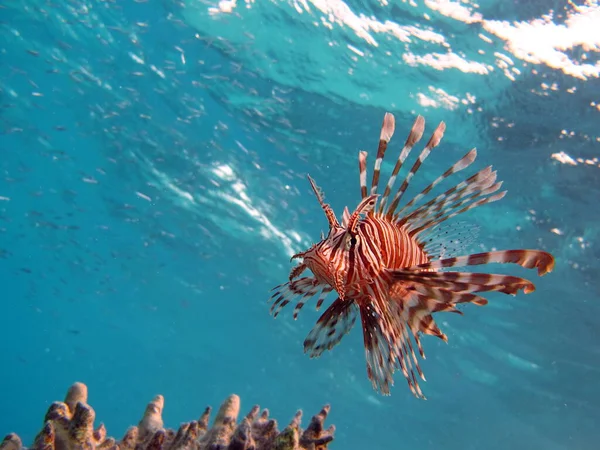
(353, 241)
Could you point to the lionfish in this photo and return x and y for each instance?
(389, 265)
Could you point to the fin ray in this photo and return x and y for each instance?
(301, 288)
(332, 326)
(529, 259)
(413, 138)
(433, 142)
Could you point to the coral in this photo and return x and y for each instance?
(69, 425)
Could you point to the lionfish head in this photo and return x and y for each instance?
(318, 257)
(326, 258)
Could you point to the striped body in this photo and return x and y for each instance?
(390, 266)
(377, 246)
(386, 244)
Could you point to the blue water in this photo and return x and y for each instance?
(152, 188)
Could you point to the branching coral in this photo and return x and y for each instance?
(69, 425)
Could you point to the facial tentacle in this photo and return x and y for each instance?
(333, 222)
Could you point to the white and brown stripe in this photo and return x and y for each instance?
(392, 266)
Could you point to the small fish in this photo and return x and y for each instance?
(386, 264)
